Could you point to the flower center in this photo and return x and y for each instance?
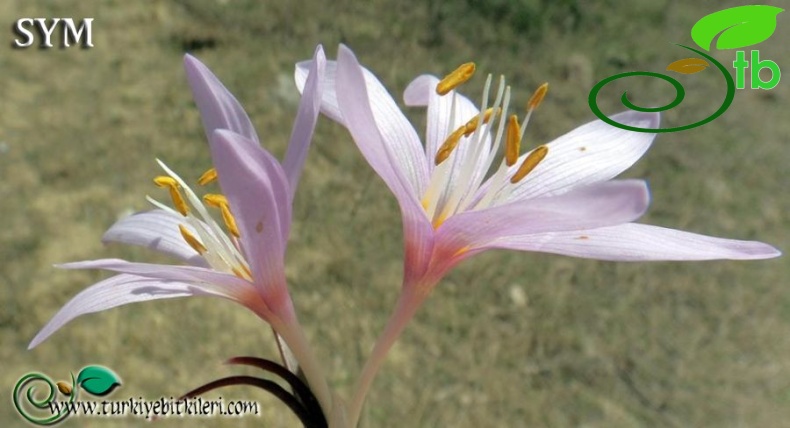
(457, 182)
(220, 250)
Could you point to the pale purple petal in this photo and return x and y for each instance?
(590, 154)
(257, 191)
(117, 291)
(638, 242)
(397, 142)
(219, 109)
(306, 118)
(381, 132)
(604, 204)
(156, 230)
(329, 105)
(191, 274)
(418, 240)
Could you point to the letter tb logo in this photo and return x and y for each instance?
(741, 64)
(734, 28)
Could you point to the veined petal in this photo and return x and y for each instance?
(418, 241)
(259, 198)
(589, 154)
(382, 133)
(329, 105)
(604, 204)
(156, 230)
(194, 275)
(219, 109)
(422, 92)
(399, 144)
(117, 291)
(306, 117)
(638, 242)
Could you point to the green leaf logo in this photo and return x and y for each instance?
(737, 27)
(98, 380)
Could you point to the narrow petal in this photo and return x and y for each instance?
(638, 242)
(219, 109)
(306, 118)
(590, 154)
(382, 133)
(329, 106)
(259, 198)
(604, 204)
(156, 230)
(117, 291)
(191, 274)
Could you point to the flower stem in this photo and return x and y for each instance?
(297, 342)
(408, 303)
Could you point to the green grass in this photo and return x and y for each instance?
(507, 339)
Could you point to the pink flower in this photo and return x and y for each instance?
(243, 261)
(564, 200)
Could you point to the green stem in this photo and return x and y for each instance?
(297, 342)
(408, 303)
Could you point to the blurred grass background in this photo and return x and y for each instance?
(507, 339)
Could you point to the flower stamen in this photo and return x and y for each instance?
(456, 78)
(464, 130)
(222, 251)
(471, 126)
(537, 96)
(533, 104)
(192, 240)
(208, 177)
(458, 185)
(221, 202)
(172, 185)
(449, 145)
(215, 200)
(513, 141)
(529, 164)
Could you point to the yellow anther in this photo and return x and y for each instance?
(178, 201)
(455, 79)
(532, 160)
(471, 126)
(513, 141)
(537, 97)
(192, 240)
(208, 177)
(449, 145)
(215, 200)
(230, 221)
(175, 194)
(165, 181)
(220, 201)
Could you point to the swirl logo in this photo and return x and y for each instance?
(732, 28)
(45, 409)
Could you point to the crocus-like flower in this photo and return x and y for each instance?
(558, 198)
(242, 261)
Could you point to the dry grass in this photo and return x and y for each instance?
(507, 339)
